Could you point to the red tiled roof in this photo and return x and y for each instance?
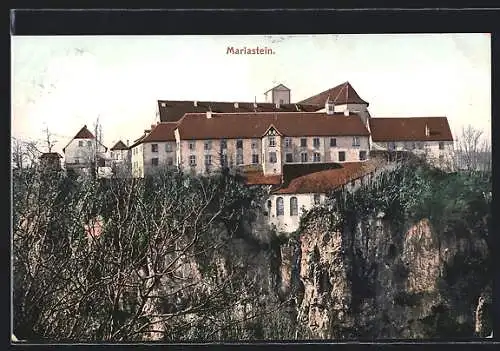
(341, 94)
(254, 125)
(258, 178)
(173, 110)
(163, 131)
(410, 129)
(328, 180)
(84, 133)
(119, 146)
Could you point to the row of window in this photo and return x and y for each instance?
(271, 143)
(413, 145)
(168, 147)
(316, 157)
(294, 205)
(155, 161)
(317, 142)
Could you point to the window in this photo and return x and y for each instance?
(208, 160)
(317, 199)
(289, 157)
(223, 160)
(441, 145)
(294, 206)
(303, 157)
(316, 143)
(282, 101)
(362, 155)
(77, 161)
(392, 145)
(168, 147)
(303, 142)
(280, 207)
(239, 158)
(154, 161)
(80, 143)
(192, 160)
(333, 142)
(269, 204)
(272, 141)
(355, 141)
(239, 144)
(316, 157)
(170, 161)
(255, 158)
(154, 147)
(272, 157)
(341, 156)
(223, 144)
(288, 143)
(192, 145)
(208, 145)
(254, 143)
(89, 143)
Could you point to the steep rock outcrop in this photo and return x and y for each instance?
(380, 279)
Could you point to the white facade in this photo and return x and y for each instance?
(81, 152)
(288, 220)
(278, 95)
(438, 153)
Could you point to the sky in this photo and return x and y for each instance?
(64, 82)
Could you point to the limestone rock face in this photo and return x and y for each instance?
(376, 279)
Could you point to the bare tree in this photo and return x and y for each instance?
(472, 151)
(49, 139)
(25, 153)
(134, 259)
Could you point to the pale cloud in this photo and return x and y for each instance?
(66, 82)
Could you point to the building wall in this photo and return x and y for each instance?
(269, 167)
(327, 153)
(83, 154)
(280, 94)
(430, 149)
(161, 154)
(288, 223)
(137, 157)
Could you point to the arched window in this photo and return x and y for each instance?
(294, 206)
(280, 207)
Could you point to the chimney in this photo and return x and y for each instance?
(209, 114)
(329, 106)
(195, 103)
(127, 142)
(236, 105)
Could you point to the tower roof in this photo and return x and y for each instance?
(340, 95)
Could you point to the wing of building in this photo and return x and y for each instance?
(302, 150)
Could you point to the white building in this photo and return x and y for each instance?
(83, 151)
(327, 138)
(121, 159)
